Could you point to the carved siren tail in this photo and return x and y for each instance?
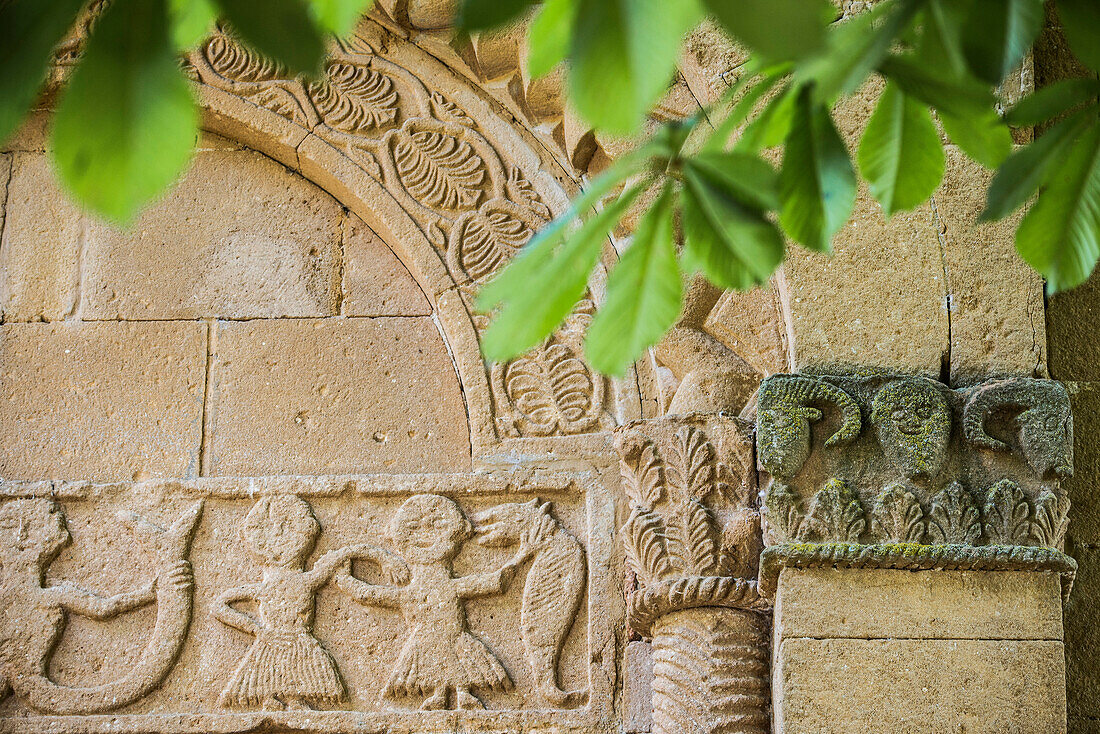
(174, 586)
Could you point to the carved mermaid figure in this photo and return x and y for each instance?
(286, 666)
(33, 613)
(441, 656)
(552, 592)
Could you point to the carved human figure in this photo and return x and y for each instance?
(553, 589)
(286, 666)
(441, 656)
(33, 613)
(913, 422)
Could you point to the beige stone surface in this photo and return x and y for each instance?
(376, 282)
(1071, 318)
(101, 401)
(239, 237)
(879, 300)
(284, 634)
(637, 687)
(853, 686)
(751, 325)
(334, 396)
(41, 244)
(997, 320)
(888, 603)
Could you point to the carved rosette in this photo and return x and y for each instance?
(692, 543)
(906, 462)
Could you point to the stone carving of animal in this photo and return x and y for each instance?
(1040, 413)
(553, 590)
(785, 411)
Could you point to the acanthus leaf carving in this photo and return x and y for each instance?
(1051, 518)
(520, 190)
(835, 514)
(783, 513)
(897, 516)
(1007, 514)
(354, 98)
(438, 169)
(642, 474)
(448, 111)
(646, 550)
(953, 518)
(551, 390)
(483, 241)
(691, 470)
(691, 545)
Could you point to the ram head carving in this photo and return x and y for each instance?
(1040, 413)
(786, 406)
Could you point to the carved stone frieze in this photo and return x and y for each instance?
(692, 541)
(323, 604)
(900, 459)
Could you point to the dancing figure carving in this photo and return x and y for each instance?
(441, 658)
(33, 614)
(553, 589)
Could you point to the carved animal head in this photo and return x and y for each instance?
(281, 530)
(1040, 413)
(33, 529)
(429, 528)
(785, 410)
(505, 524)
(913, 422)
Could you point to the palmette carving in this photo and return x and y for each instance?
(33, 614)
(971, 466)
(438, 169)
(354, 98)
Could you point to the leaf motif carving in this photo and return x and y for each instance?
(835, 514)
(691, 466)
(783, 513)
(553, 389)
(1051, 518)
(953, 518)
(691, 544)
(354, 98)
(897, 517)
(644, 541)
(1007, 514)
(520, 191)
(642, 475)
(449, 111)
(438, 169)
(238, 63)
(489, 240)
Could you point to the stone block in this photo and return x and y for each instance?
(40, 249)
(890, 603)
(638, 688)
(1083, 635)
(1071, 318)
(997, 320)
(239, 237)
(878, 300)
(334, 396)
(851, 686)
(1084, 485)
(376, 282)
(101, 401)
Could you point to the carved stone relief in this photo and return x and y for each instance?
(323, 604)
(974, 466)
(692, 541)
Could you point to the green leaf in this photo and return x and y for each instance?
(941, 46)
(1081, 25)
(997, 34)
(772, 125)
(746, 178)
(126, 123)
(817, 185)
(644, 294)
(1050, 102)
(725, 236)
(1060, 236)
(984, 137)
(282, 30)
(480, 15)
(959, 96)
(191, 21)
(546, 281)
(1020, 176)
(753, 91)
(900, 154)
(779, 30)
(29, 31)
(623, 55)
(338, 17)
(548, 37)
(855, 47)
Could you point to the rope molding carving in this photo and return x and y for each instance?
(654, 601)
(913, 557)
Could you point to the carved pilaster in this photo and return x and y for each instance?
(931, 477)
(692, 541)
